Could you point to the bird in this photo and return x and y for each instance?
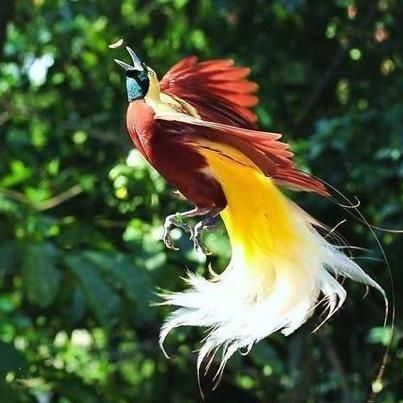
(197, 128)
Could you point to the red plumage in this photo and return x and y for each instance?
(222, 97)
(218, 90)
(162, 144)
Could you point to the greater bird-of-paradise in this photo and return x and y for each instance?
(197, 129)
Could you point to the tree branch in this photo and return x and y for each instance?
(46, 204)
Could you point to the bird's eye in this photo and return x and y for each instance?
(150, 73)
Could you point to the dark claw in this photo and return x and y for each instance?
(169, 243)
(168, 225)
(200, 247)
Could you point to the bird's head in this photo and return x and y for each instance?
(141, 80)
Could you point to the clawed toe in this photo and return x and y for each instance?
(176, 220)
(199, 246)
(197, 238)
(168, 241)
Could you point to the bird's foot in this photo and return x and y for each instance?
(172, 221)
(204, 225)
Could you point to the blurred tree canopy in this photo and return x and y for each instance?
(81, 212)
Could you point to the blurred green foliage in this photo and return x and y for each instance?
(81, 213)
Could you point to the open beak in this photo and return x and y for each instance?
(137, 65)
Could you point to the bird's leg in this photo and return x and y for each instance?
(176, 220)
(207, 223)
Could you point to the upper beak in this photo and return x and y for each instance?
(136, 61)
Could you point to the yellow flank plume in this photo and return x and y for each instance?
(257, 212)
(280, 264)
(263, 229)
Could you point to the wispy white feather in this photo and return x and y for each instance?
(237, 311)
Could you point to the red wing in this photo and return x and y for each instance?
(272, 156)
(218, 90)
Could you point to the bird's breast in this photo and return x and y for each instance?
(139, 121)
(177, 161)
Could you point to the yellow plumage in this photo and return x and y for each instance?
(248, 191)
(263, 234)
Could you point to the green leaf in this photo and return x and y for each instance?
(19, 173)
(40, 275)
(77, 308)
(101, 298)
(121, 272)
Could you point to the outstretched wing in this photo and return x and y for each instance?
(218, 90)
(264, 149)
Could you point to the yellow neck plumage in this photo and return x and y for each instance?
(165, 103)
